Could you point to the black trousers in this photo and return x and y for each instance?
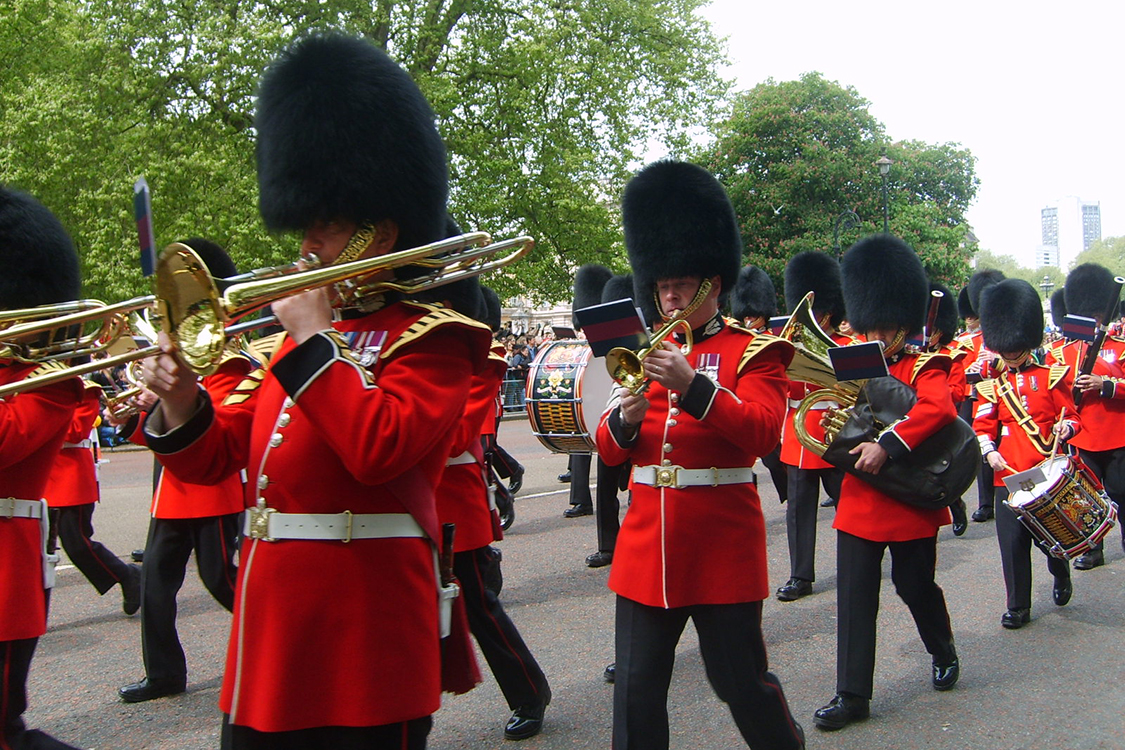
(15, 661)
(801, 512)
(779, 473)
(506, 465)
(73, 527)
(1109, 468)
(405, 735)
(1015, 554)
(734, 654)
(579, 466)
(607, 508)
(169, 546)
(986, 490)
(859, 571)
(519, 676)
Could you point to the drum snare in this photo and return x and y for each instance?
(1069, 512)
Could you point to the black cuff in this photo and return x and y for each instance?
(624, 436)
(304, 362)
(1108, 388)
(892, 444)
(696, 400)
(184, 435)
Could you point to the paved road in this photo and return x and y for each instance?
(1054, 685)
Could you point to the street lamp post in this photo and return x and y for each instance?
(847, 220)
(884, 165)
(1046, 285)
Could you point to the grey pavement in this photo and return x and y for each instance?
(1053, 685)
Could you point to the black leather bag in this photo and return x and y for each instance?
(933, 475)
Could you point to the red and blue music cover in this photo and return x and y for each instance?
(858, 361)
(1079, 328)
(613, 324)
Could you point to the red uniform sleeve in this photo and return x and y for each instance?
(29, 418)
(932, 411)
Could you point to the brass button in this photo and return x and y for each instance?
(674, 412)
(675, 397)
(667, 447)
(275, 439)
(283, 420)
(666, 462)
(289, 403)
(263, 481)
(671, 423)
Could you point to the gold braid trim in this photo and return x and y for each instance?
(47, 367)
(245, 388)
(924, 359)
(436, 316)
(759, 343)
(264, 348)
(1055, 374)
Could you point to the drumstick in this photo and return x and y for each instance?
(1055, 446)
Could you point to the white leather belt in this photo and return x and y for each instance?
(795, 403)
(269, 525)
(678, 476)
(79, 444)
(10, 507)
(464, 458)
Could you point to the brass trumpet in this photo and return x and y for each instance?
(53, 332)
(627, 368)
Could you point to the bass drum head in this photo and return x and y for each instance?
(566, 392)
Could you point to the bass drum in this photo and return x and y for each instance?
(1068, 512)
(567, 390)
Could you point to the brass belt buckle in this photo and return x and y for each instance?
(8, 504)
(667, 476)
(260, 522)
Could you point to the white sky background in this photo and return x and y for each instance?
(1032, 89)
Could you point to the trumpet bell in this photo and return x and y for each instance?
(626, 369)
(810, 362)
(188, 304)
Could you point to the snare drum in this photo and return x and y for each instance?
(1068, 512)
(567, 389)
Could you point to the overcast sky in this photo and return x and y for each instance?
(1032, 89)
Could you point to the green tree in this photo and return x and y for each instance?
(1044, 278)
(1108, 252)
(795, 155)
(545, 107)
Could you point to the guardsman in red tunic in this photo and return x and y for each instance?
(818, 273)
(336, 633)
(72, 494)
(886, 294)
(41, 268)
(1101, 444)
(942, 340)
(692, 544)
(1018, 415)
(187, 518)
(978, 358)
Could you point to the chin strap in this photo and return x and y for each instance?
(356, 245)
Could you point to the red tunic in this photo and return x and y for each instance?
(702, 544)
(1044, 392)
(958, 384)
(74, 477)
(865, 512)
(32, 427)
(1103, 414)
(462, 496)
(327, 633)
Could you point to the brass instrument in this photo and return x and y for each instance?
(626, 367)
(195, 309)
(811, 365)
(54, 332)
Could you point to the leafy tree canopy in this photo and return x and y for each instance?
(1044, 278)
(1108, 252)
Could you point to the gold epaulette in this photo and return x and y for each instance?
(90, 384)
(924, 359)
(264, 348)
(435, 317)
(986, 389)
(496, 357)
(1055, 374)
(758, 344)
(46, 368)
(245, 388)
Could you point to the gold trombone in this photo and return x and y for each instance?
(627, 368)
(196, 310)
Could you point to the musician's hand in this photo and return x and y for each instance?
(1089, 382)
(173, 382)
(633, 409)
(997, 462)
(1064, 429)
(306, 314)
(668, 366)
(872, 456)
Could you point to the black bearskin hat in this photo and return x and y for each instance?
(1089, 289)
(213, 256)
(679, 222)
(753, 295)
(980, 281)
(946, 313)
(589, 280)
(621, 287)
(1058, 307)
(344, 133)
(491, 308)
(39, 260)
(964, 307)
(816, 272)
(1011, 317)
(885, 286)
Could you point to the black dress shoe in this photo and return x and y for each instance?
(565, 477)
(983, 513)
(526, 721)
(577, 511)
(147, 689)
(138, 555)
(841, 711)
(1014, 619)
(131, 590)
(515, 482)
(610, 673)
(794, 590)
(1062, 591)
(946, 675)
(1090, 560)
(960, 522)
(828, 502)
(599, 559)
